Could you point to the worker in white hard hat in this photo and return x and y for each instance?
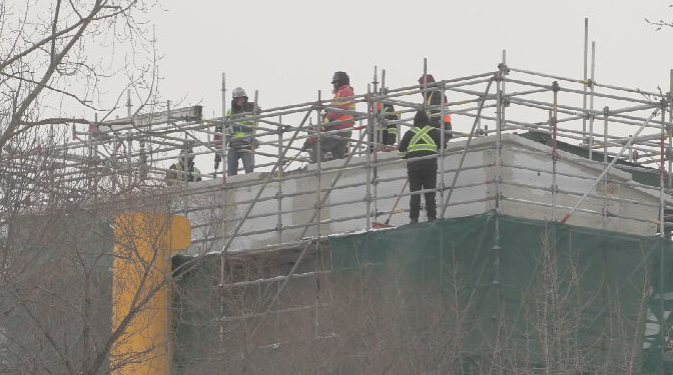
(240, 133)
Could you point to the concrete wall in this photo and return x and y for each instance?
(346, 201)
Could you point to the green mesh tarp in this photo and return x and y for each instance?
(462, 295)
(515, 277)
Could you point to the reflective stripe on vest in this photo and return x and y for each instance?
(447, 116)
(178, 167)
(351, 107)
(422, 140)
(245, 127)
(381, 125)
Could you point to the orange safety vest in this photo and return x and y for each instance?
(351, 107)
(447, 116)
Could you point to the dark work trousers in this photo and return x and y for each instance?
(420, 179)
(336, 143)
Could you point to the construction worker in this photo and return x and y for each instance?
(435, 115)
(386, 133)
(336, 143)
(240, 134)
(419, 141)
(184, 169)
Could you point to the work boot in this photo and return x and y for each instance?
(413, 221)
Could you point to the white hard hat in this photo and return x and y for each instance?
(238, 93)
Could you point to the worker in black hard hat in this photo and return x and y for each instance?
(341, 124)
(421, 141)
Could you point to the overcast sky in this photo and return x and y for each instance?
(289, 49)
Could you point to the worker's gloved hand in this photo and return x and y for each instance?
(308, 143)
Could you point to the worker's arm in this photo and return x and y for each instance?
(171, 174)
(404, 144)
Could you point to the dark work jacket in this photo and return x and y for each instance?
(419, 164)
(436, 99)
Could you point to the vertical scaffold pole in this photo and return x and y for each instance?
(318, 207)
(503, 119)
(498, 177)
(318, 147)
(254, 140)
(662, 168)
(442, 148)
(129, 137)
(279, 191)
(223, 254)
(128, 103)
(377, 133)
(669, 153)
(425, 83)
(584, 95)
(591, 100)
(606, 114)
(554, 153)
(224, 132)
(368, 189)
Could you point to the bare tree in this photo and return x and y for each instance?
(661, 23)
(61, 238)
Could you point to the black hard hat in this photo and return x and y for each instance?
(421, 118)
(341, 77)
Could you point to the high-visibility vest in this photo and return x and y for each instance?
(428, 101)
(351, 107)
(421, 141)
(189, 176)
(383, 110)
(242, 128)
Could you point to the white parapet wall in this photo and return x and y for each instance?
(286, 207)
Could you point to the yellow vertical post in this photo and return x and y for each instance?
(141, 292)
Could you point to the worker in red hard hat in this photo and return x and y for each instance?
(435, 98)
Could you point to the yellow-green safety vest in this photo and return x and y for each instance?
(184, 176)
(242, 128)
(422, 141)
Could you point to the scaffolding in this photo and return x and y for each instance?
(618, 128)
(631, 126)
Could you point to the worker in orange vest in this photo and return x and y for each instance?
(435, 115)
(337, 143)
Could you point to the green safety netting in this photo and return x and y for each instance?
(603, 278)
(519, 285)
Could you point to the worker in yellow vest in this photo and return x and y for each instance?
(240, 133)
(184, 169)
(419, 147)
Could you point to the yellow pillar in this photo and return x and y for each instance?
(141, 291)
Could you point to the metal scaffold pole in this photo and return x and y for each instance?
(669, 131)
(604, 216)
(554, 155)
(442, 148)
(591, 100)
(498, 176)
(584, 79)
(662, 170)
